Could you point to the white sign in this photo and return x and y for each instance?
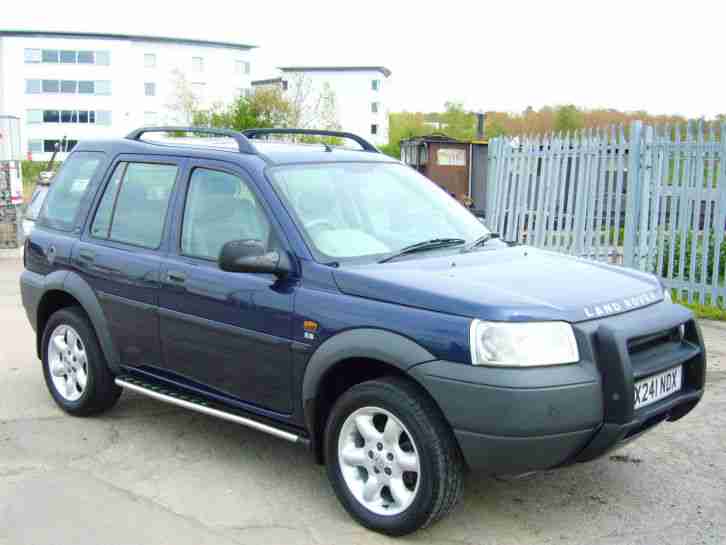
(451, 157)
(12, 181)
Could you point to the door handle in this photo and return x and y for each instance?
(87, 255)
(177, 277)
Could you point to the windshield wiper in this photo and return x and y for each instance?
(425, 245)
(479, 242)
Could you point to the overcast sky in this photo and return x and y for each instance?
(660, 56)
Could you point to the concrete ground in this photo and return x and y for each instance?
(150, 473)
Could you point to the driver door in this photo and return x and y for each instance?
(227, 332)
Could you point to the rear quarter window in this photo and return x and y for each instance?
(68, 189)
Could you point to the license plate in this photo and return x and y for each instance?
(656, 387)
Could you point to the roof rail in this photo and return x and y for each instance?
(362, 142)
(244, 145)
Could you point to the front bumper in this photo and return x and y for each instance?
(517, 420)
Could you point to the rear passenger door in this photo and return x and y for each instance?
(229, 332)
(119, 254)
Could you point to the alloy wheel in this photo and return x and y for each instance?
(67, 362)
(379, 461)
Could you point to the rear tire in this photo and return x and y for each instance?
(74, 367)
(397, 482)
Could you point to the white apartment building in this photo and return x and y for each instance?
(91, 85)
(361, 94)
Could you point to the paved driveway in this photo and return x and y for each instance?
(148, 473)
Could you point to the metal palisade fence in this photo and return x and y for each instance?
(652, 198)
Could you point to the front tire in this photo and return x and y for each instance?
(74, 367)
(391, 457)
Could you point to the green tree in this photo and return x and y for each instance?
(403, 125)
(568, 118)
(264, 108)
(457, 122)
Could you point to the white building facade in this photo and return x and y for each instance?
(361, 94)
(86, 85)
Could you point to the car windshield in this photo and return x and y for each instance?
(365, 211)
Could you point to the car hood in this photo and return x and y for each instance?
(515, 284)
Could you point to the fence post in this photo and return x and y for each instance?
(492, 186)
(644, 202)
(633, 193)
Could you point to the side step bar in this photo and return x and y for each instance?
(191, 403)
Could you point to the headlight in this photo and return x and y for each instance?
(522, 344)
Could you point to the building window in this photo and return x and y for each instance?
(66, 86)
(69, 86)
(49, 146)
(103, 58)
(51, 86)
(62, 116)
(241, 67)
(374, 129)
(150, 89)
(34, 116)
(374, 107)
(33, 55)
(149, 60)
(197, 64)
(86, 87)
(35, 146)
(68, 57)
(376, 84)
(51, 116)
(284, 85)
(32, 86)
(50, 55)
(103, 87)
(103, 117)
(85, 57)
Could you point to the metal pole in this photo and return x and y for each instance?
(632, 195)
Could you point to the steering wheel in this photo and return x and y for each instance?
(319, 223)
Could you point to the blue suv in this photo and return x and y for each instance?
(336, 298)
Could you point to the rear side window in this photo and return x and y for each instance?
(134, 204)
(68, 189)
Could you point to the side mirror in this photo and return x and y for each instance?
(250, 256)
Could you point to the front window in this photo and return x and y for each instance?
(220, 208)
(362, 212)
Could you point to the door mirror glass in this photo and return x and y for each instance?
(250, 256)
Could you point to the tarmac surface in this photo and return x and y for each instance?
(148, 473)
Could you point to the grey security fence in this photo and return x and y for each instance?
(645, 197)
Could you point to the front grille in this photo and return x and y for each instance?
(649, 342)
